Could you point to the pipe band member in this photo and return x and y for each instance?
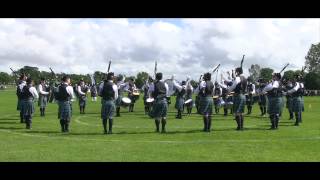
(297, 98)
(94, 92)
(131, 87)
(146, 95)
(108, 90)
(82, 90)
(262, 101)
(65, 96)
(217, 101)
(180, 92)
(206, 88)
(21, 83)
(189, 92)
(274, 100)
(249, 98)
(289, 86)
(29, 94)
(159, 90)
(121, 85)
(239, 86)
(44, 91)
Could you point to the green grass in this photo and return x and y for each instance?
(134, 138)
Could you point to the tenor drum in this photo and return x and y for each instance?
(125, 102)
(136, 94)
(188, 101)
(149, 101)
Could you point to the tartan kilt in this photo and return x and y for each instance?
(43, 101)
(274, 105)
(65, 110)
(239, 103)
(206, 105)
(262, 100)
(82, 100)
(118, 101)
(107, 109)
(179, 103)
(19, 104)
(297, 104)
(27, 107)
(249, 100)
(159, 108)
(289, 103)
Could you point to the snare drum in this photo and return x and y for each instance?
(125, 102)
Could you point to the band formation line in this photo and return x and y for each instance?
(232, 94)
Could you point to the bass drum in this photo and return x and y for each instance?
(125, 102)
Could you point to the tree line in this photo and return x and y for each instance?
(311, 77)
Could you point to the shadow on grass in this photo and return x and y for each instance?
(12, 128)
(10, 122)
(43, 132)
(18, 118)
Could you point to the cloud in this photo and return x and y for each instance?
(190, 47)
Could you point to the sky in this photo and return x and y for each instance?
(180, 46)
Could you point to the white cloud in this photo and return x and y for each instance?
(194, 46)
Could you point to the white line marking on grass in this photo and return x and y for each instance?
(77, 120)
(159, 141)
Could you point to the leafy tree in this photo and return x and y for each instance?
(4, 78)
(254, 71)
(141, 78)
(313, 58)
(266, 73)
(312, 81)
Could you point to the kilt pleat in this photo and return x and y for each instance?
(274, 105)
(27, 107)
(205, 105)
(107, 109)
(159, 108)
(65, 110)
(239, 103)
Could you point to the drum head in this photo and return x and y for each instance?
(188, 101)
(149, 100)
(126, 100)
(135, 93)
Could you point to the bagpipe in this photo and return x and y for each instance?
(53, 86)
(16, 76)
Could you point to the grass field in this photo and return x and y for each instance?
(134, 138)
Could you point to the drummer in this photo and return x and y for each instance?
(189, 91)
(180, 91)
(146, 95)
(131, 87)
(249, 97)
(227, 99)
(121, 88)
